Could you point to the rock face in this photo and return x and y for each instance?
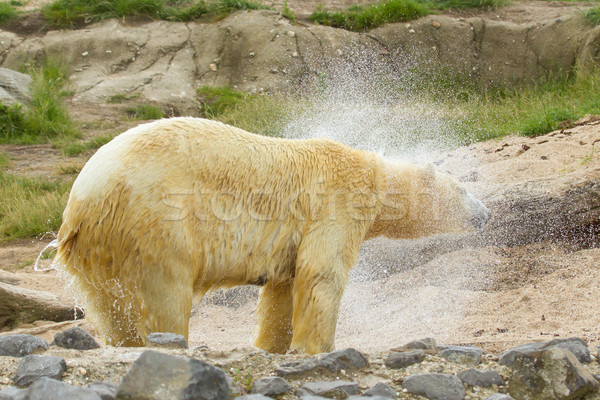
(14, 87)
(261, 50)
(161, 376)
(553, 373)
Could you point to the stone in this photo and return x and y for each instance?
(380, 389)
(76, 338)
(298, 368)
(157, 376)
(550, 374)
(462, 354)
(575, 345)
(348, 359)
(475, 377)
(253, 397)
(167, 340)
(405, 358)
(234, 388)
(34, 367)
(330, 389)
(21, 345)
(106, 390)
(423, 344)
(14, 87)
(271, 386)
(435, 386)
(498, 396)
(50, 389)
(13, 393)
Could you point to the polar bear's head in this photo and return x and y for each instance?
(420, 201)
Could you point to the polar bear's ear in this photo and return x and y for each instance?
(429, 174)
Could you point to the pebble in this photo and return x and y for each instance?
(21, 345)
(403, 359)
(435, 24)
(75, 338)
(212, 67)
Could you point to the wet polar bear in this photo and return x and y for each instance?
(174, 208)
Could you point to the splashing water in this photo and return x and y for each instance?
(37, 267)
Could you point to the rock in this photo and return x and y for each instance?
(234, 388)
(33, 367)
(380, 389)
(499, 396)
(161, 376)
(553, 373)
(298, 368)
(330, 389)
(347, 359)
(167, 340)
(575, 345)
(106, 390)
(253, 397)
(404, 359)
(21, 345)
(271, 386)
(476, 377)
(50, 389)
(462, 354)
(14, 87)
(423, 344)
(435, 386)
(435, 24)
(13, 393)
(76, 338)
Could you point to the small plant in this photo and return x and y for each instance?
(7, 11)
(69, 169)
(287, 13)
(216, 101)
(592, 15)
(145, 112)
(122, 98)
(12, 122)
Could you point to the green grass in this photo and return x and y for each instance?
(592, 15)
(7, 11)
(74, 148)
(64, 13)
(122, 98)
(262, 114)
(30, 206)
(465, 4)
(46, 116)
(358, 18)
(530, 111)
(4, 160)
(145, 112)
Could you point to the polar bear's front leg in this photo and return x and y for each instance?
(275, 317)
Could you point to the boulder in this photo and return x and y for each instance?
(21, 345)
(435, 386)
(76, 338)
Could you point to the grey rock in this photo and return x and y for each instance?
(462, 354)
(364, 398)
(255, 396)
(435, 386)
(167, 340)
(14, 87)
(106, 390)
(498, 396)
(76, 338)
(330, 389)
(380, 389)
(13, 393)
(575, 345)
(50, 389)
(347, 359)
(553, 373)
(271, 386)
(33, 367)
(298, 368)
(404, 359)
(21, 345)
(156, 375)
(423, 344)
(475, 377)
(305, 396)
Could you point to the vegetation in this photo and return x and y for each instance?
(46, 116)
(592, 15)
(65, 13)
(7, 11)
(145, 112)
(74, 148)
(122, 98)
(30, 206)
(4, 161)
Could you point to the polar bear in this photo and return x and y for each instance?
(177, 207)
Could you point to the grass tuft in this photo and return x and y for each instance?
(8, 11)
(72, 149)
(68, 13)
(592, 15)
(29, 206)
(122, 98)
(145, 112)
